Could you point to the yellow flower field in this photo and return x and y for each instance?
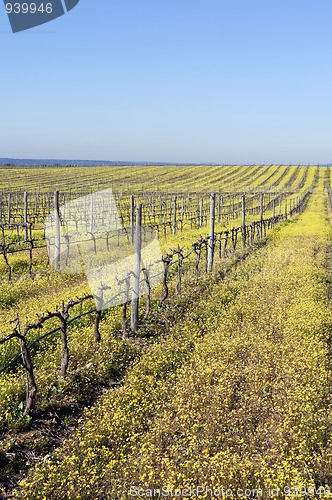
(226, 387)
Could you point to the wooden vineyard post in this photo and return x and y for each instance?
(26, 228)
(219, 206)
(211, 233)
(9, 207)
(243, 220)
(124, 306)
(161, 211)
(132, 218)
(57, 232)
(261, 216)
(174, 216)
(285, 209)
(102, 210)
(201, 213)
(137, 269)
(91, 212)
(273, 208)
(37, 203)
(64, 213)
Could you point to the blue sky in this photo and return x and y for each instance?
(238, 81)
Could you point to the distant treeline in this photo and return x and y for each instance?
(13, 162)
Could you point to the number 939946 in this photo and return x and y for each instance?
(29, 8)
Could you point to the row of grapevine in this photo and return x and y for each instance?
(129, 286)
(172, 217)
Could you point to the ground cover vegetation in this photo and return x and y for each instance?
(224, 384)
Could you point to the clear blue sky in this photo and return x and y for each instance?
(171, 80)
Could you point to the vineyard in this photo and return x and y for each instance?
(165, 327)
